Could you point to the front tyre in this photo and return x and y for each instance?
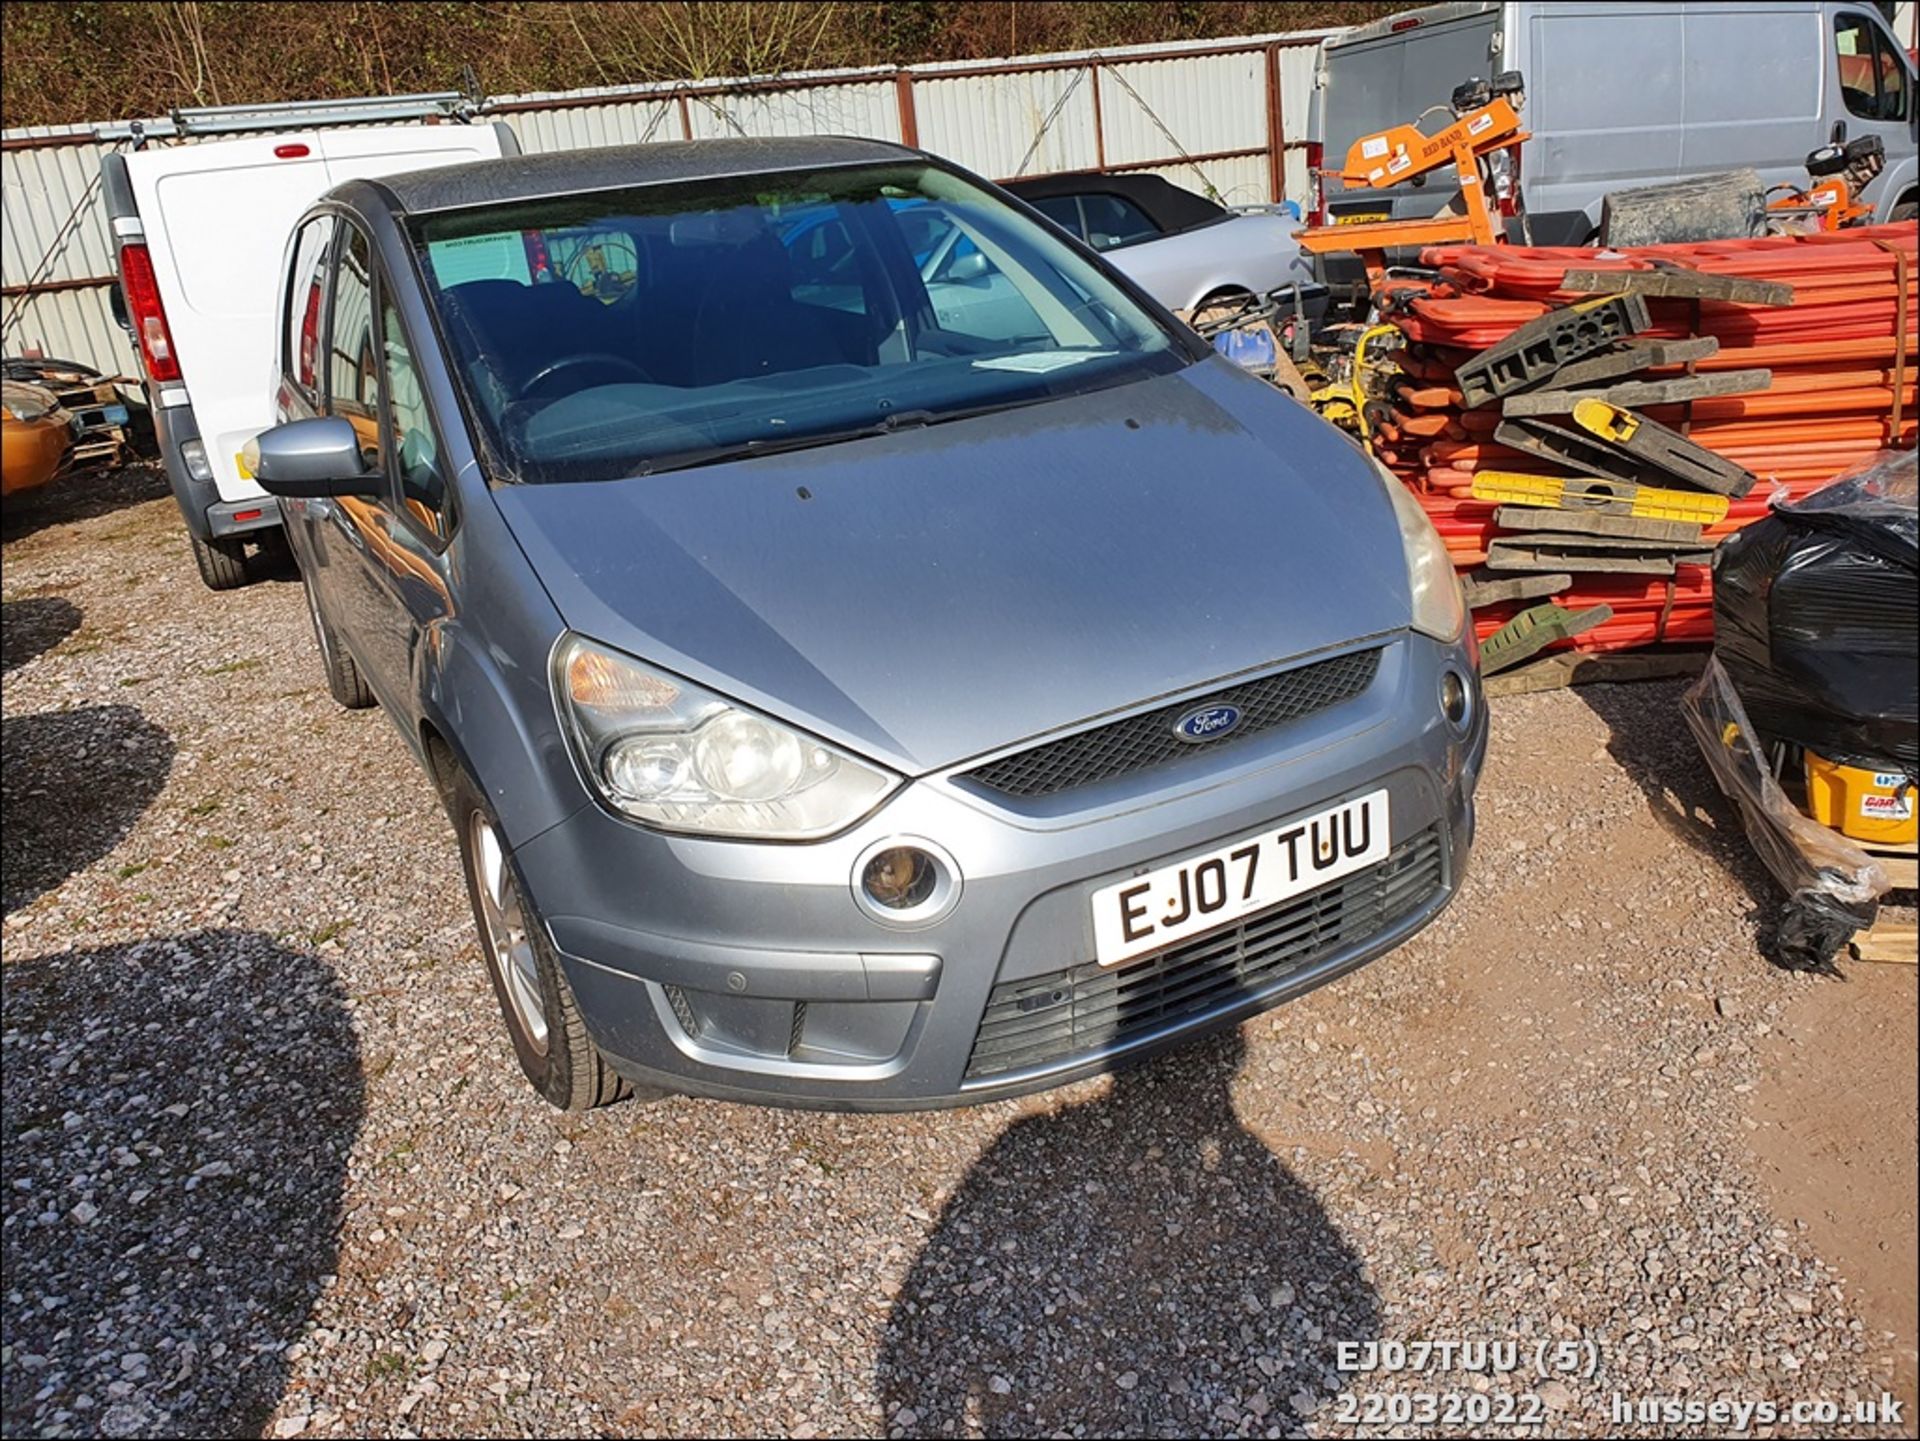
(345, 684)
(543, 1019)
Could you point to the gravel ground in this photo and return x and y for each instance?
(269, 1166)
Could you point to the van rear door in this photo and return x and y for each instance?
(217, 218)
(1387, 74)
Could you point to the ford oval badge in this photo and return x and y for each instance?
(1208, 723)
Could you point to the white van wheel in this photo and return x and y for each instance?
(222, 563)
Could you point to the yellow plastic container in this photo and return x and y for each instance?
(1867, 805)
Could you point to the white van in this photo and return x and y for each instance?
(201, 232)
(1627, 93)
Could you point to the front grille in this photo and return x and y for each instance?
(1143, 741)
(1090, 1008)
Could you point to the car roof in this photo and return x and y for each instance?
(1165, 204)
(570, 172)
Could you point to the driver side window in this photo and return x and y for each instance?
(1873, 78)
(353, 360)
(423, 484)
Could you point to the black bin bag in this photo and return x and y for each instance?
(1816, 613)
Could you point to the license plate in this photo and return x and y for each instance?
(1207, 891)
(1362, 217)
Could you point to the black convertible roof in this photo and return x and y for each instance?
(1165, 204)
(569, 172)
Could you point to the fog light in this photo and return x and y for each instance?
(905, 883)
(899, 878)
(1454, 697)
(194, 455)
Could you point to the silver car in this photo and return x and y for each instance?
(1186, 251)
(839, 702)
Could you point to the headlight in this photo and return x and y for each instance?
(666, 752)
(1439, 609)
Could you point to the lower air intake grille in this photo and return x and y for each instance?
(1090, 1008)
(1142, 741)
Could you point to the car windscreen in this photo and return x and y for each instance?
(624, 332)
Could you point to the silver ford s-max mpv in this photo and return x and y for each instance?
(872, 655)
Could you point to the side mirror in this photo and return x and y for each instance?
(310, 459)
(968, 267)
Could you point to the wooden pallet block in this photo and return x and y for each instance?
(1889, 940)
(1565, 668)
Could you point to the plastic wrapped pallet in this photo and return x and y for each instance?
(1833, 887)
(1817, 618)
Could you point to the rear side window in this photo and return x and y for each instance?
(1114, 221)
(1062, 210)
(301, 327)
(1873, 79)
(353, 360)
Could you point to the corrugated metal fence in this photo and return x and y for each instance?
(1227, 117)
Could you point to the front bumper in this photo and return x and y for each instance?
(746, 971)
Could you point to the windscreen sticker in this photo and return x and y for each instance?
(1038, 362)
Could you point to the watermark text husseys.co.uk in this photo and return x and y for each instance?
(1737, 1416)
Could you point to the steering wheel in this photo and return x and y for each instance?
(602, 358)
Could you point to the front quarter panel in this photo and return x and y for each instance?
(484, 686)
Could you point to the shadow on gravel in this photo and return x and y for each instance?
(33, 626)
(177, 1119)
(72, 784)
(1651, 742)
(82, 496)
(1126, 1267)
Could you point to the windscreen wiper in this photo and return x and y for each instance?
(888, 424)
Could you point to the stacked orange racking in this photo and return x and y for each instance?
(1841, 356)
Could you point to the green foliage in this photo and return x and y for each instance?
(95, 60)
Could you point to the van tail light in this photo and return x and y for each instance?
(1316, 184)
(538, 264)
(1509, 193)
(148, 316)
(310, 335)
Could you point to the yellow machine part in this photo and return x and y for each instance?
(1344, 403)
(1583, 492)
(1876, 806)
(1609, 422)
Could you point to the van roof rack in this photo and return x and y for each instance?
(293, 115)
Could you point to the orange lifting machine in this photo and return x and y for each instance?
(1482, 144)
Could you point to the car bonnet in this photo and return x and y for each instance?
(926, 597)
